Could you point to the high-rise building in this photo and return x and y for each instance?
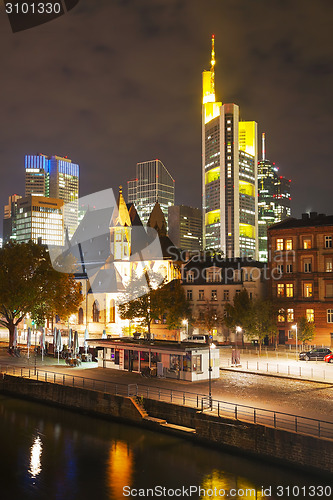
(55, 177)
(36, 175)
(9, 219)
(274, 199)
(41, 220)
(185, 227)
(153, 183)
(229, 175)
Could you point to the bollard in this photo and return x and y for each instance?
(257, 365)
(63, 380)
(254, 416)
(236, 412)
(277, 368)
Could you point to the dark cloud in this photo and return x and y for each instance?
(116, 82)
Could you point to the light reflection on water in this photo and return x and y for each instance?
(54, 454)
(35, 457)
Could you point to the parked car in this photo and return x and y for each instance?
(315, 354)
(329, 358)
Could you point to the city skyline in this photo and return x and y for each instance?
(102, 95)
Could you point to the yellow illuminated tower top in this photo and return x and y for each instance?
(211, 107)
(208, 79)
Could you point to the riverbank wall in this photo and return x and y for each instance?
(275, 445)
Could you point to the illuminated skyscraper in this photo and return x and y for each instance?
(185, 227)
(9, 219)
(55, 177)
(41, 220)
(229, 175)
(153, 183)
(274, 199)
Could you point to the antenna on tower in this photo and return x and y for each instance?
(263, 152)
(212, 66)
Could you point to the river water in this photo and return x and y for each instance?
(49, 453)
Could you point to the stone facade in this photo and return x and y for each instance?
(301, 274)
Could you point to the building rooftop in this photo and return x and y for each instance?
(307, 220)
(158, 345)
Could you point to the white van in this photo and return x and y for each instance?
(196, 338)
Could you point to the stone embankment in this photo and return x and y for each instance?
(279, 446)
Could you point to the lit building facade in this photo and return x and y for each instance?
(54, 177)
(36, 175)
(274, 202)
(41, 220)
(185, 227)
(9, 219)
(211, 283)
(229, 175)
(153, 183)
(301, 274)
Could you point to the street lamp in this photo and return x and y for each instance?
(210, 369)
(237, 357)
(294, 327)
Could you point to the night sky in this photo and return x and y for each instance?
(114, 82)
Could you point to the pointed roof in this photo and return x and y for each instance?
(122, 218)
(157, 220)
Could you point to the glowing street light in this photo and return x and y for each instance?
(211, 346)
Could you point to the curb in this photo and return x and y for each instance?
(277, 375)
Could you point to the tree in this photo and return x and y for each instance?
(208, 317)
(29, 284)
(140, 300)
(237, 314)
(305, 330)
(145, 301)
(257, 318)
(174, 306)
(262, 320)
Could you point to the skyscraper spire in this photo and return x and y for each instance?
(208, 79)
(263, 152)
(212, 66)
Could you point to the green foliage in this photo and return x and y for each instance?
(208, 317)
(257, 318)
(174, 306)
(237, 314)
(29, 284)
(305, 330)
(154, 302)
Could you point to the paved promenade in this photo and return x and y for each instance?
(309, 399)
